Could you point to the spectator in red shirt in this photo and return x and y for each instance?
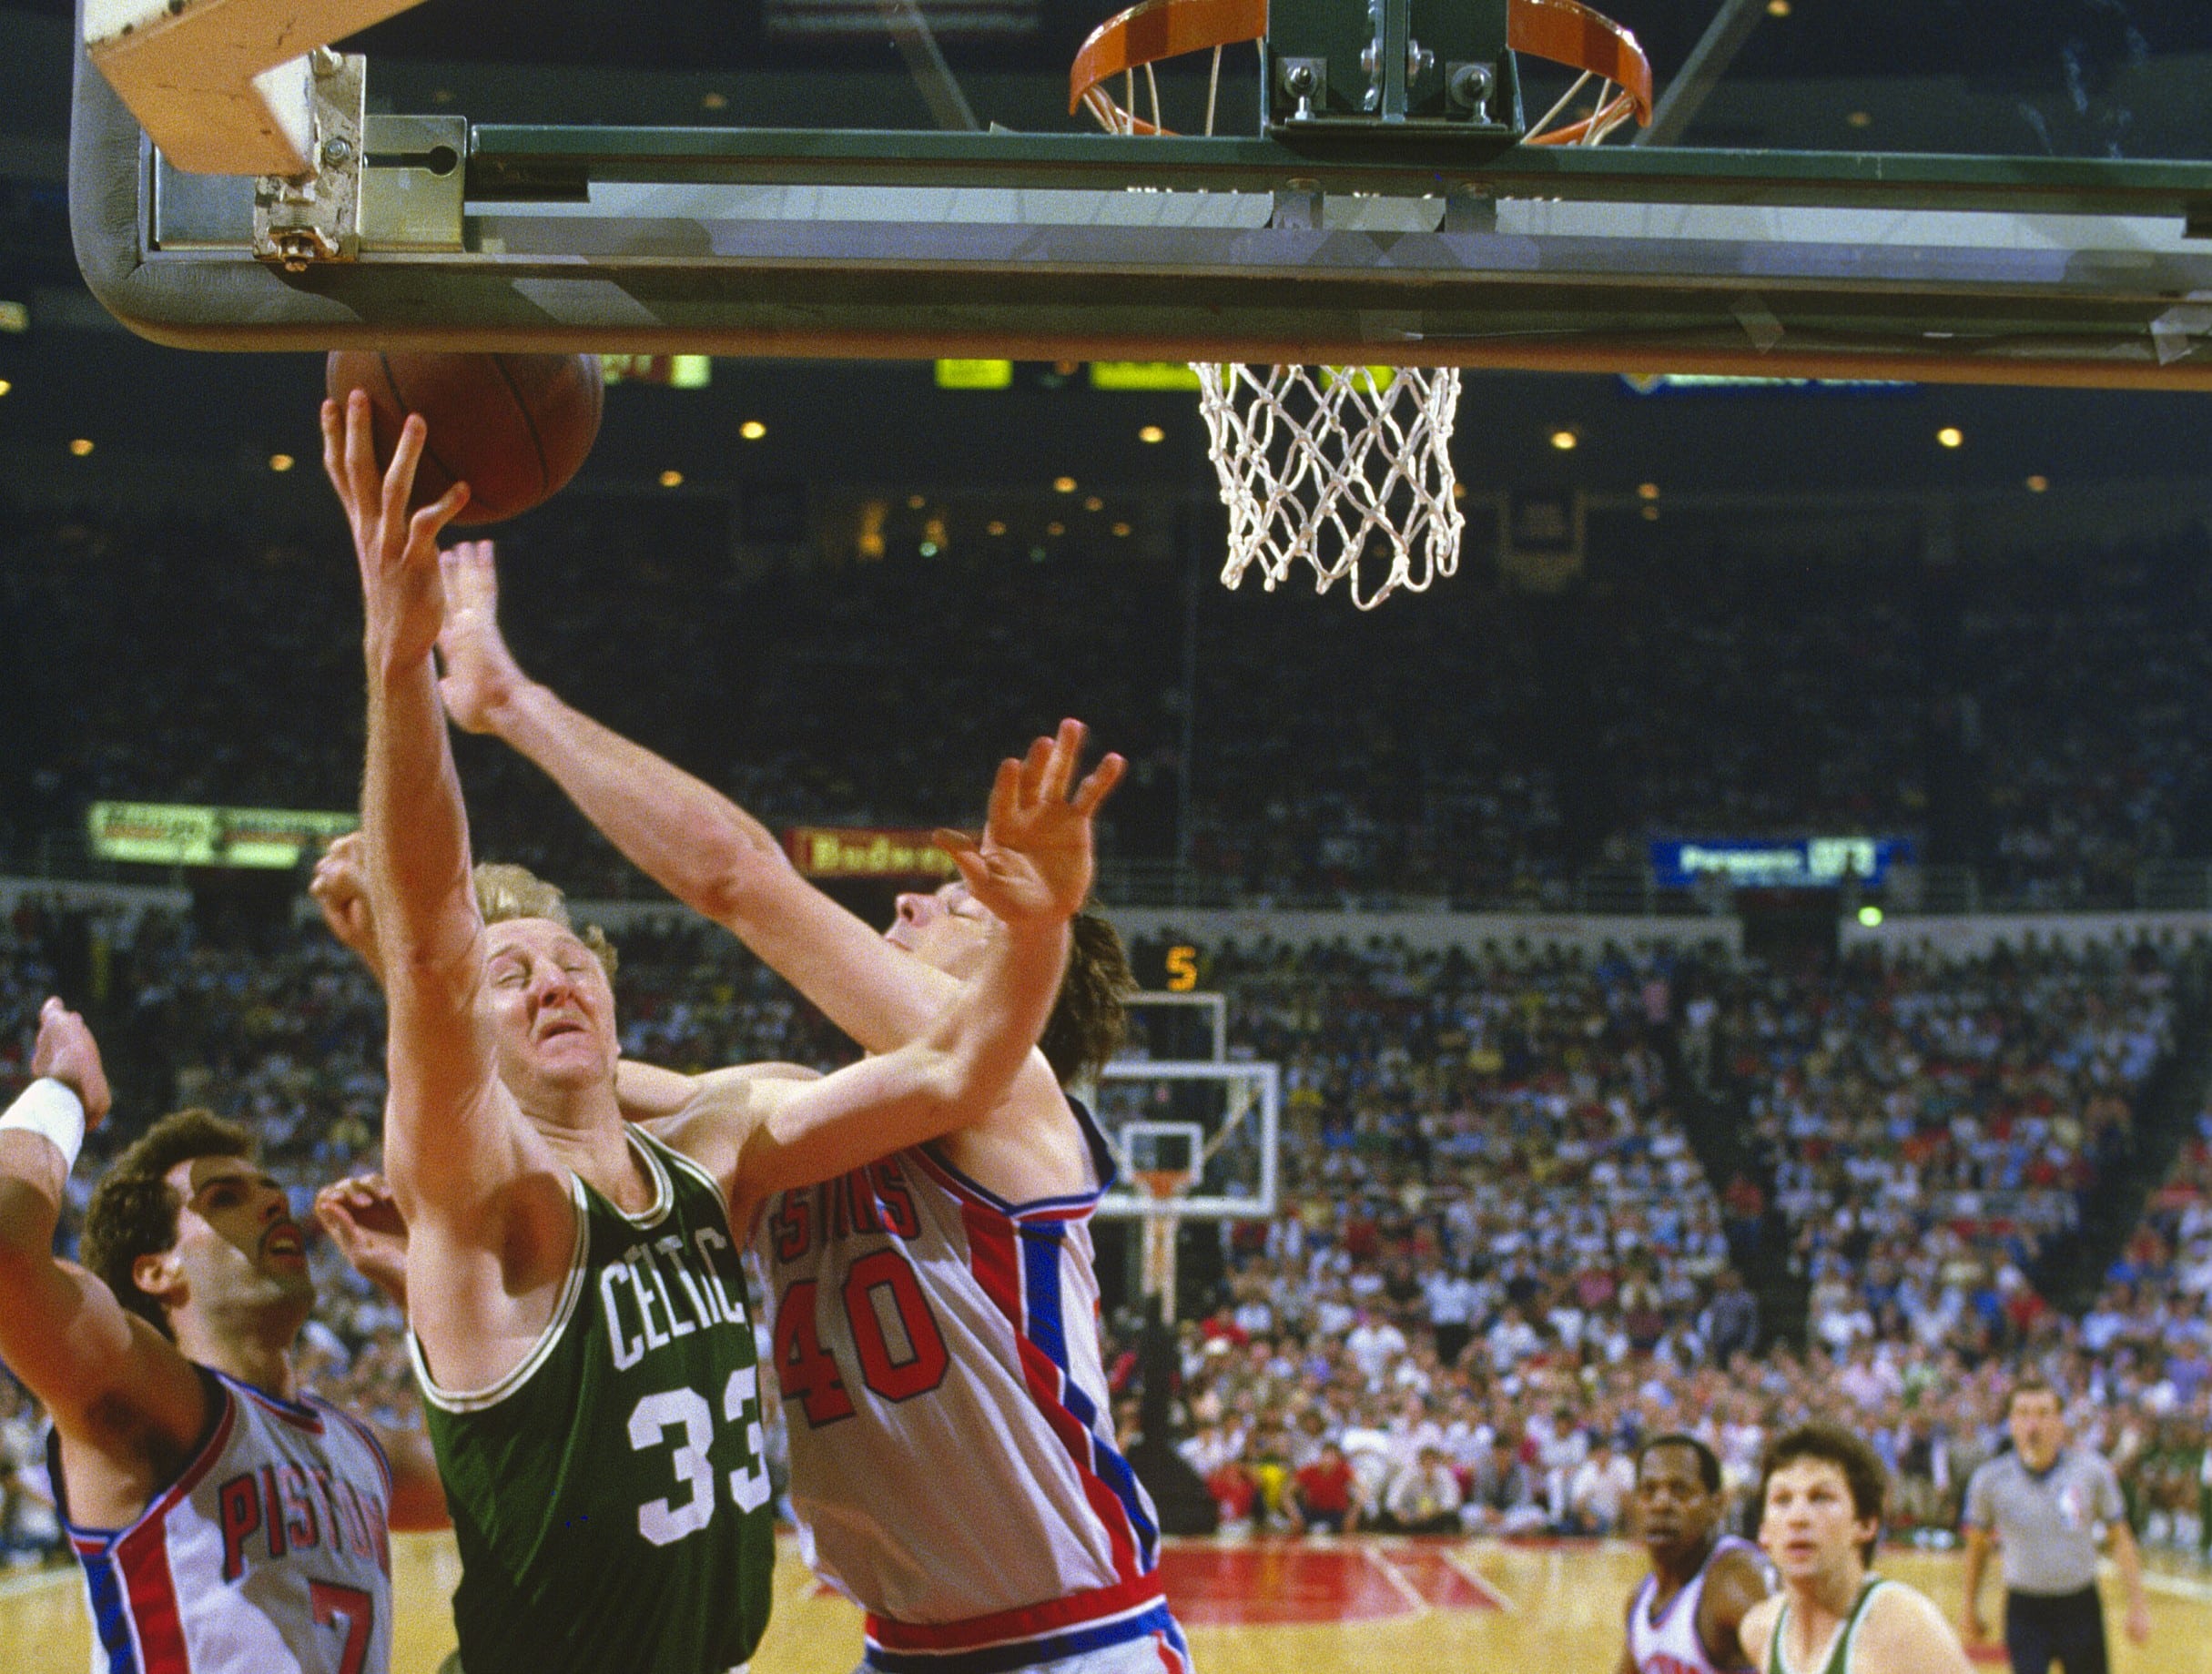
(1322, 1493)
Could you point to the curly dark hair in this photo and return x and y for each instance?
(1087, 1019)
(133, 1211)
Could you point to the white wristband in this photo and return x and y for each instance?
(52, 1108)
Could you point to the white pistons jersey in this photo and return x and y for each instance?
(953, 1465)
(1668, 1644)
(270, 1553)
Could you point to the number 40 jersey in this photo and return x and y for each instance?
(953, 1463)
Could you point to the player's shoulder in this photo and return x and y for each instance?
(1757, 1631)
(1903, 1629)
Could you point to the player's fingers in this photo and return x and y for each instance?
(1005, 794)
(360, 493)
(399, 478)
(1032, 773)
(333, 444)
(970, 862)
(423, 527)
(1099, 783)
(1059, 762)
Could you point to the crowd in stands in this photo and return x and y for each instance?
(2045, 717)
(1501, 1265)
(1498, 1261)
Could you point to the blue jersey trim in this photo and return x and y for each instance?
(110, 1615)
(1044, 1326)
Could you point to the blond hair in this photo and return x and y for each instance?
(504, 892)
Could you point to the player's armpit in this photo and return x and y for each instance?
(111, 1384)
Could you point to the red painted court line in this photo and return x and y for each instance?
(1442, 1582)
(1286, 1582)
(1214, 1587)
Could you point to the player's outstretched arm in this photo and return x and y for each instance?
(692, 840)
(1031, 869)
(451, 1150)
(112, 1383)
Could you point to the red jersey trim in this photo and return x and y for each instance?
(1011, 1627)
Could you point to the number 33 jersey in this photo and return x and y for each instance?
(610, 1494)
(953, 1463)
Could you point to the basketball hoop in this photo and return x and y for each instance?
(1347, 469)
(1329, 464)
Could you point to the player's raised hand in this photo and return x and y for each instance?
(481, 672)
(1034, 863)
(341, 888)
(67, 1051)
(363, 1220)
(398, 551)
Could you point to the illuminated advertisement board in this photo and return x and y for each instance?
(867, 851)
(1778, 863)
(182, 834)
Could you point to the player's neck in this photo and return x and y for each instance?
(256, 1351)
(1819, 1602)
(599, 1155)
(1676, 1572)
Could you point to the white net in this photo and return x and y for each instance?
(1348, 469)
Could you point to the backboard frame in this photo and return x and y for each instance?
(2018, 270)
(1124, 1201)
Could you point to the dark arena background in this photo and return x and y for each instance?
(1739, 950)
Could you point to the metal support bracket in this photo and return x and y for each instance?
(301, 220)
(413, 183)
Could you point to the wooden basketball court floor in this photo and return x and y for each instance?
(1251, 1607)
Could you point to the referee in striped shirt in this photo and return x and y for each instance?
(2046, 1503)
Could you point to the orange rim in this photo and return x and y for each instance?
(1564, 31)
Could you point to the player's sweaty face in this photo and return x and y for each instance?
(1672, 1507)
(946, 928)
(550, 1003)
(236, 1239)
(1810, 1524)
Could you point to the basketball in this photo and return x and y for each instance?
(514, 428)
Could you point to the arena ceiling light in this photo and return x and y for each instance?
(281, 463)
(1566, 439)
(1950, 436)
(752, 430)
(1151, 433)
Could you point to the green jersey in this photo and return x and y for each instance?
(610, 1494)
(1838, 1660)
